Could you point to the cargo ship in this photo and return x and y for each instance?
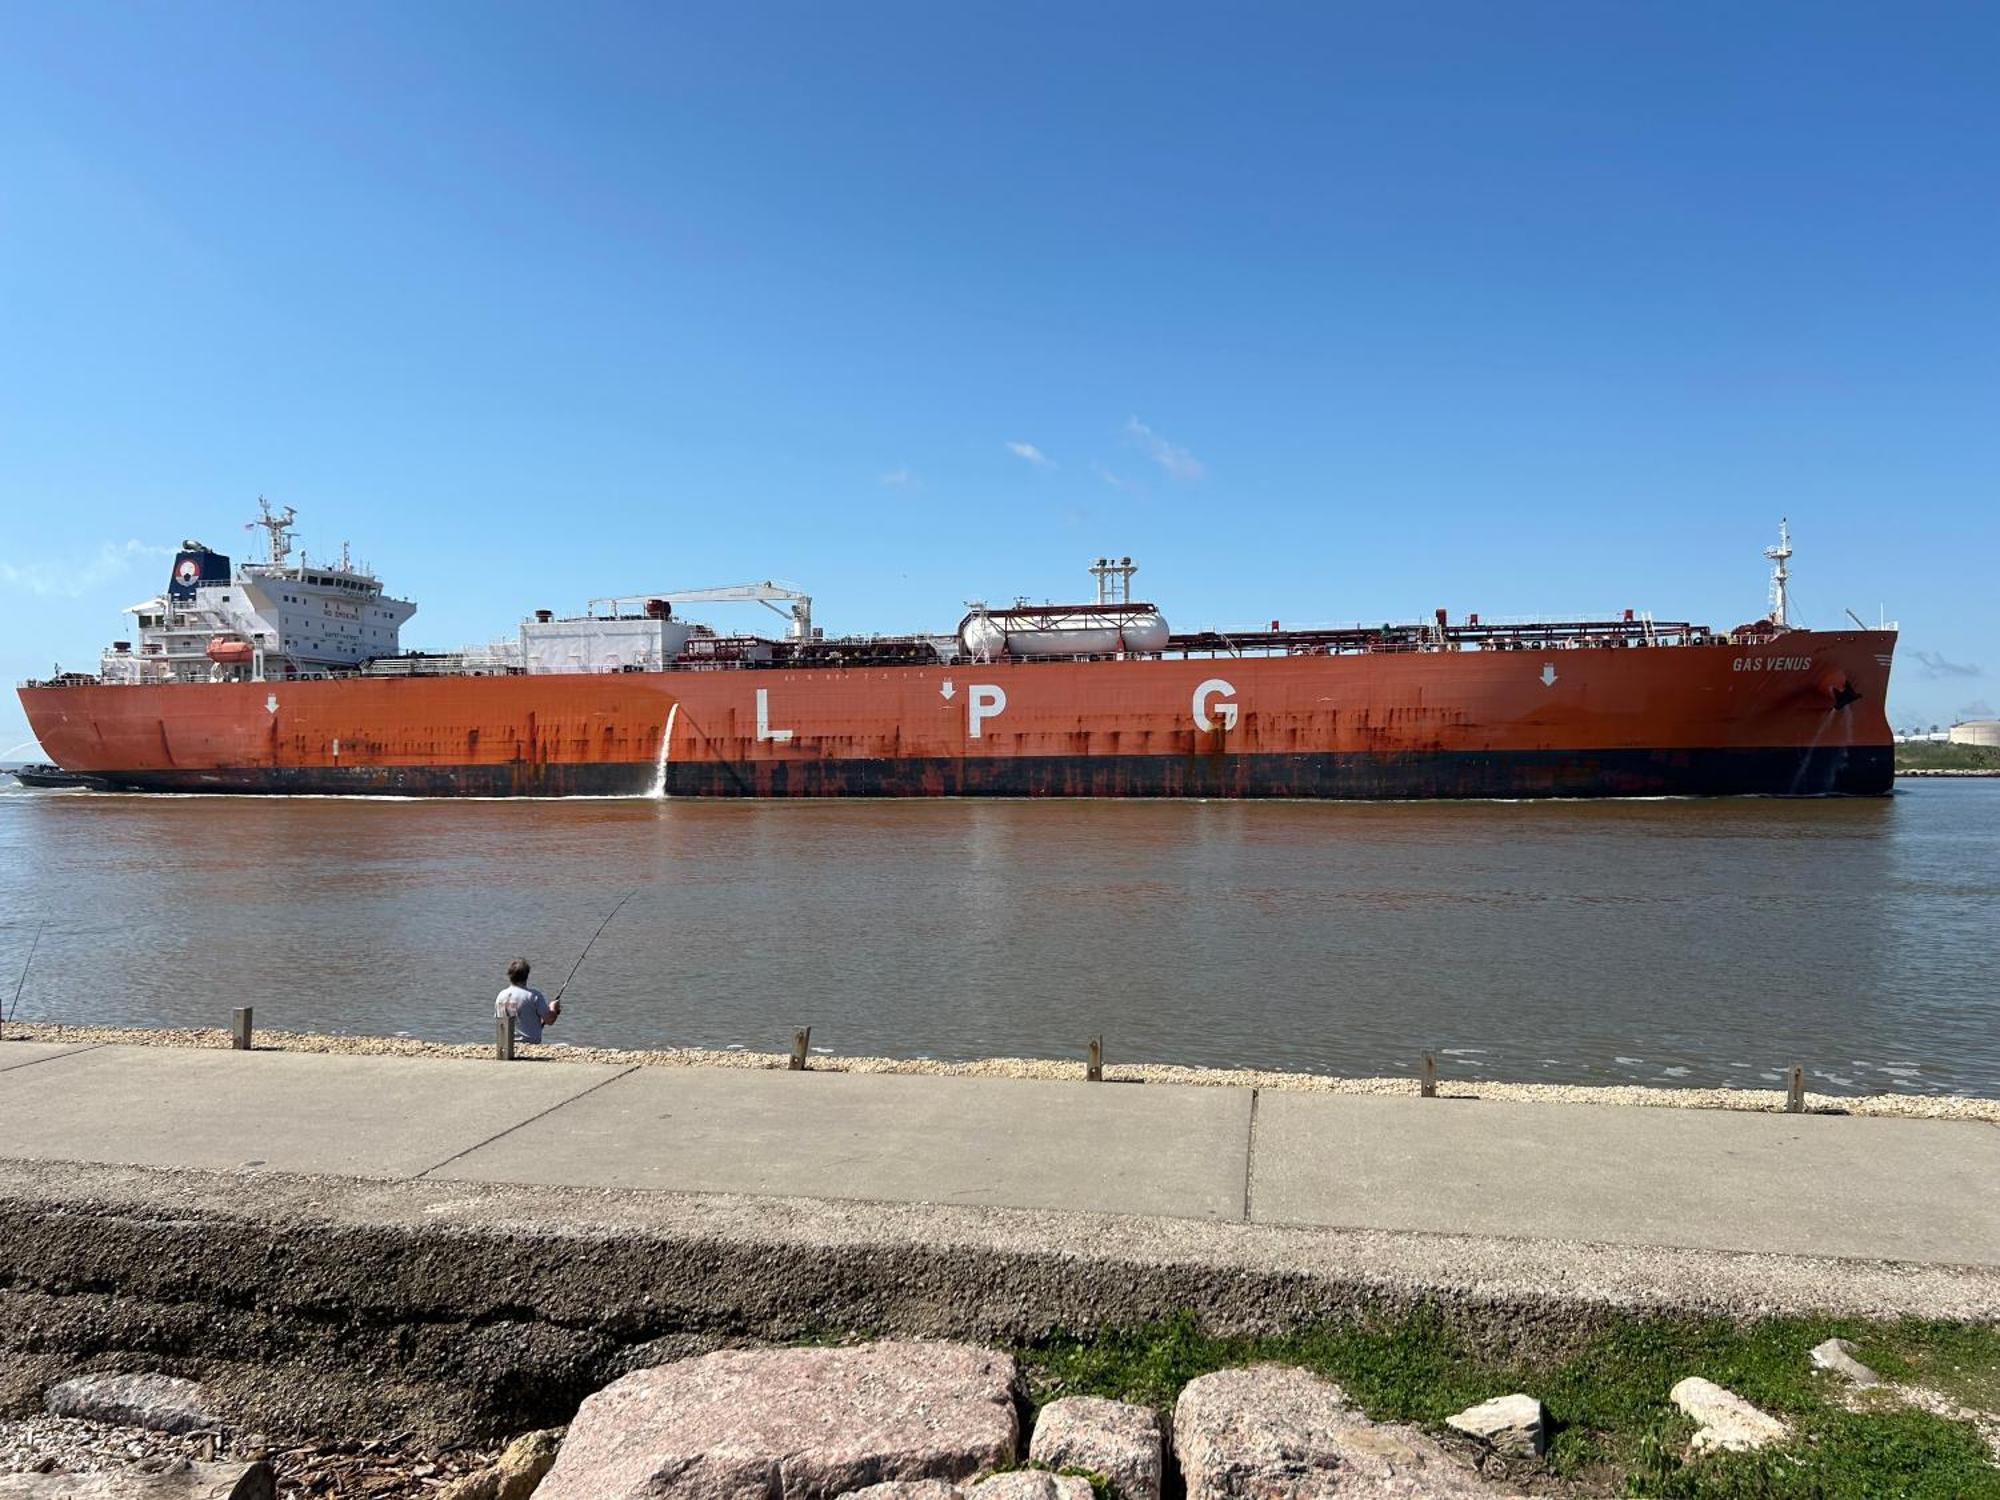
(288, 676)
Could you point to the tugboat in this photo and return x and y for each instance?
(44, 774)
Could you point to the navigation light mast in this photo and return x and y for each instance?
(280, 528)
(1780, 555)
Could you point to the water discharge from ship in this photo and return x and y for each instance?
(659, 787)
(1808, 757)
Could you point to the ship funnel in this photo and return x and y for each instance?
(195, 565)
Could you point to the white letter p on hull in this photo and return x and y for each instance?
(983, 701)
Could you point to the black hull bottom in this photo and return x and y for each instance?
(1818, 772)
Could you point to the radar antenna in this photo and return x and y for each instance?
(280, 528)
(1114, 579)
(1780, 575)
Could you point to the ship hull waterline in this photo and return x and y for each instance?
(1800, 716)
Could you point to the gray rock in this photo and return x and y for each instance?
(514, 1474)
(163, 1403)
(1030, 1484)
(1507, 1424)
(791, 1424)
(909, 1489)
(1113, 1438)
(1724, 1420)
(181, 1480)
(1276, 1433)
(1838, 1355)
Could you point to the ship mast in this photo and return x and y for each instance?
(1780, 555)
(280, 528)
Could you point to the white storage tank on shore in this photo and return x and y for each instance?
(1977, 732)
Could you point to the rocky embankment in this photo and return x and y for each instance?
(1772, 1100)
(893, 1420)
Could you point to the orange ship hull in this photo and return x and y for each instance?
(1800, 715)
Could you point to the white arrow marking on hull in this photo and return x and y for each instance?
(270, 703)
(947, 690)
(1548, 674)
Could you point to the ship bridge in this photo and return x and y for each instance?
(277, 618)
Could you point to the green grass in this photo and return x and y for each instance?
(1930, 755)
(1611, 1424)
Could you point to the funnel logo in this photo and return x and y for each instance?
(186, 576)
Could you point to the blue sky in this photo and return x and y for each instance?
(1328, 312)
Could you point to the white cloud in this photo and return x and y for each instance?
(1032, 454)
(1176, 460)
(73, 580)
(902, 479)
(1116, 481)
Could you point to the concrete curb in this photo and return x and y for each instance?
(494, 1308)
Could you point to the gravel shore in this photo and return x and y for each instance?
(1905, 1106)
(383, 1471)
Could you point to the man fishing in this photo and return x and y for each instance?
(530, 1009)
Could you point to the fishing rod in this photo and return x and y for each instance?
(593, 940)
(21, 984)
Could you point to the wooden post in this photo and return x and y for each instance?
(503, 1038)
(1795, 1094)
(801, 1039)
(1427, 1085)
(1093, 1070)
(239, 1028)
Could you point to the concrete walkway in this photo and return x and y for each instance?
(1916, 1191)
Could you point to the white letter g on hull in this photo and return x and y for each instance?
(1206, 698)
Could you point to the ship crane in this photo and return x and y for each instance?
(767, 593)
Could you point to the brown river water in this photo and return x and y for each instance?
(1689, 942)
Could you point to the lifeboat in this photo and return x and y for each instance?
(225, 652)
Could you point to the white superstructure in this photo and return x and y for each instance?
(271, 620)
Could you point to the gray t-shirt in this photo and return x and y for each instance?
(529, 1008)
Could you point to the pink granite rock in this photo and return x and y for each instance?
(1277, 1433)
(1120, 1441)
(161, 1403)
(1030, 1484)
(790, 1424)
